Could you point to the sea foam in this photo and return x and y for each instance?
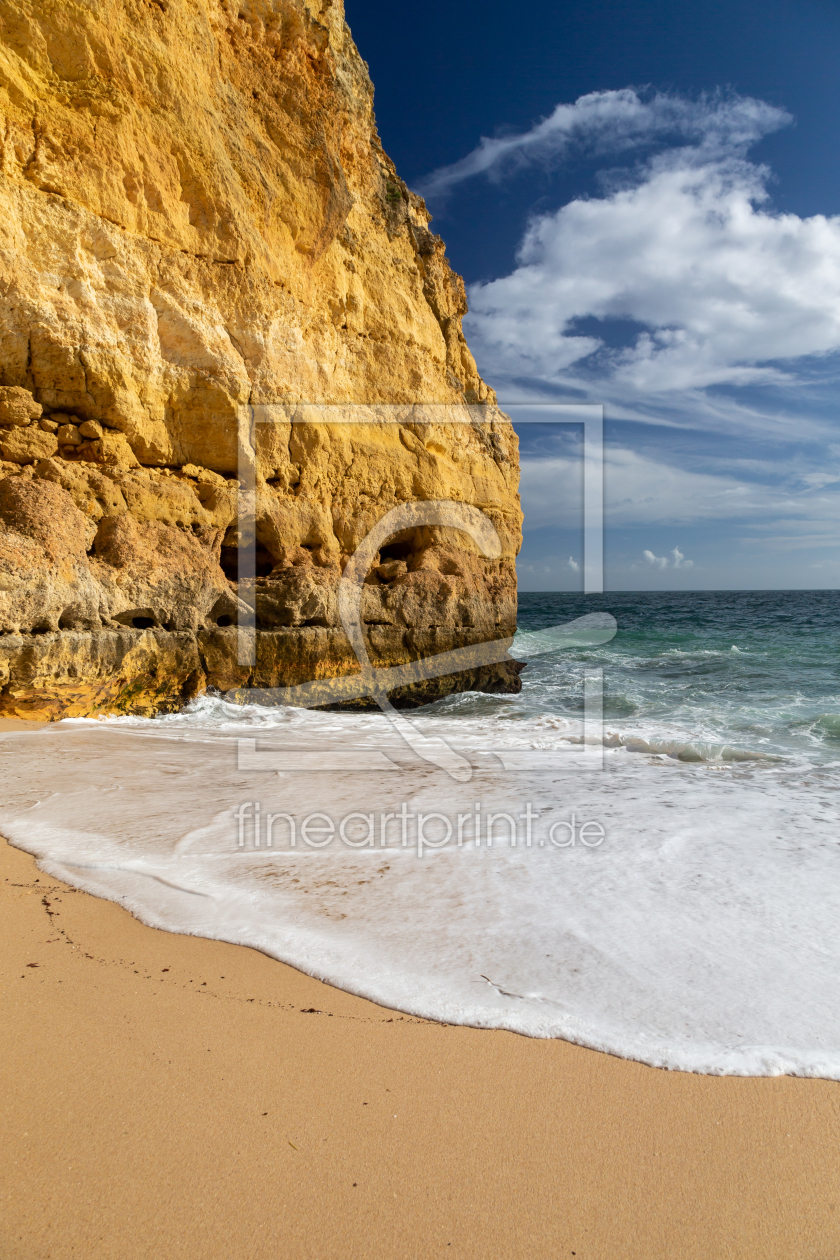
(695, 925)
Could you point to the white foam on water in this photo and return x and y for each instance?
(702, 934)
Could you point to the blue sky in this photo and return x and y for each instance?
(644, 200)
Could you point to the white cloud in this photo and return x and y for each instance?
(719, 289)
(818, 480)
(721, 285)
(615, 122)
(573, 565)
(678, 560)
(640, 490)
(672, 296)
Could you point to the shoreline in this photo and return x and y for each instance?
(182, 1096)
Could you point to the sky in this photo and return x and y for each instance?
(644, 201)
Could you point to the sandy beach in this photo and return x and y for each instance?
(173, 1096)
(420, 564)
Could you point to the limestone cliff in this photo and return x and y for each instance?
(197, 219)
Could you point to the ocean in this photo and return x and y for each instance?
(757, 671)
(654, 872)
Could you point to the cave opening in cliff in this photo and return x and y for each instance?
(397, 550)
(233, 566)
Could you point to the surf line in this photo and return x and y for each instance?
(587, 631)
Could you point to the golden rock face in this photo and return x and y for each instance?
(196, 218)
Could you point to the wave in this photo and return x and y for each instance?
(827, 726)
(651, 908)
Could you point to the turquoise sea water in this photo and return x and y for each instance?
(753, 671)
(700, 930)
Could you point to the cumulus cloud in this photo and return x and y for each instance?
(711, 286)
(573, 565)
(677, 561)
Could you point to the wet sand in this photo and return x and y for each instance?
(168, 1096)
(172, 1096)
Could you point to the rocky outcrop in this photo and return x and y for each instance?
(199, 228)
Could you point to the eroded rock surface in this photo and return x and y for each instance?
(198, 221)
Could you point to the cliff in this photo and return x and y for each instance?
(198, 221)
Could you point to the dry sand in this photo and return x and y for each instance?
(166, 1096)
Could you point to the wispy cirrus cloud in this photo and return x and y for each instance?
(645, 490)
(611, 123)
